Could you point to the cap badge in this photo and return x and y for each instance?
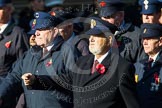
(52, 13)
(93, 23)
(33, 24)
(136, 78)
(145, 30)
(36, 15)
(102, 4)
(146, 2)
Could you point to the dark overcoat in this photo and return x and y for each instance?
(40, 95)
(149, 83)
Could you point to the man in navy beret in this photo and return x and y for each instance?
(100, 45)
(37, 67)
(127, 35)
(102, 79)
(151, 11)
(149, 71)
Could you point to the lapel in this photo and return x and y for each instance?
(90, 78)
(1, 37)
(57, 45)
(36, 51)
(9, 28)
(156, 67)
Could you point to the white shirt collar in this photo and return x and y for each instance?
(154, 57)
(3, 27)
(102, 57)
(49, 47)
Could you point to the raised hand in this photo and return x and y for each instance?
(28, 78)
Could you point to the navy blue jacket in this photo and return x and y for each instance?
(115, 88)
(40, 95)
(149, 83)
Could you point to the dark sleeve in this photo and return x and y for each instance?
(70, 56)
(63, 76)
(137, 50)
(42, 82)
(11, 85)
(127, 87)
(132, 45)
(132, 51)
(83, 47)
(22, 43)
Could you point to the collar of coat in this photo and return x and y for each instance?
(36, 50)
(157, 61)
(9, 28)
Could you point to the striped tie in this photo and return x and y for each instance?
(94, 66)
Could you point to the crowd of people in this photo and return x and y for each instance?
(53, 58)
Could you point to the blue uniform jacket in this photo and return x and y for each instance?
(149, 81)
(40, 95)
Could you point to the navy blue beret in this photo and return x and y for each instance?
(101, 22)
(151, 30)
(44, 20)
(150, 6)
(99, 29)
(109, 7)
(4, 2)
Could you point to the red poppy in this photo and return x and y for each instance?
(102, 4)
(156, 77)
(49, 63)
(52, 13)
(8, 44)
(100, 68)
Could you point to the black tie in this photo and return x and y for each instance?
(94, 66)
(150, 63)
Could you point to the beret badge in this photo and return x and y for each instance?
(144, 31)
(33, 24)
(93, 23)
(145, 2)
(37, 15)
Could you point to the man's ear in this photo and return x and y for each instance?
(54, 31)
(160, 41)
(110, 40)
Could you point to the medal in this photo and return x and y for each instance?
(136, 78)
(155, 85)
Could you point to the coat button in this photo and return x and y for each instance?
(37, 71)
(143, 82)
(32, 92)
